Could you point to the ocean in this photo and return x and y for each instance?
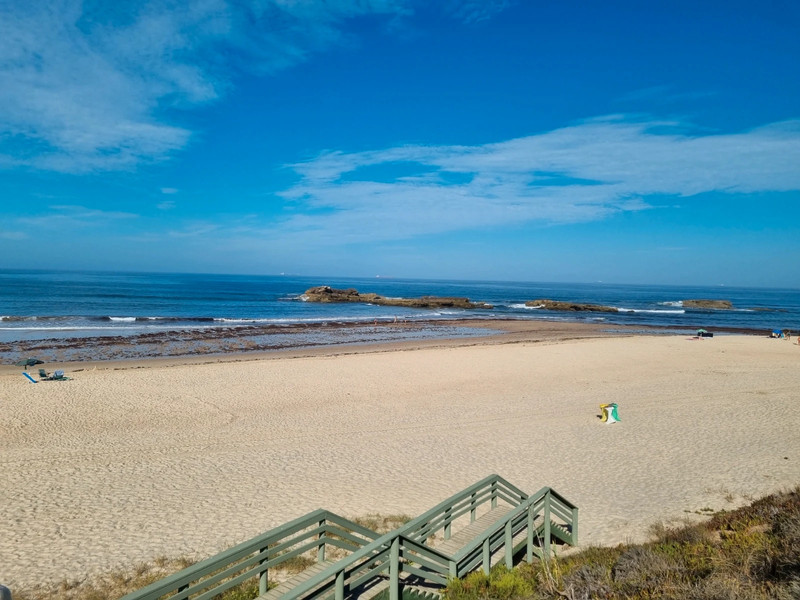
(37, 306)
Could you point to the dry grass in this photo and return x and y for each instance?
(110, 585)
(381, 523)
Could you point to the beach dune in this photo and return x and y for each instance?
(121, 465)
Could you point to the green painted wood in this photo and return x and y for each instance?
(394, 570)
(574, 523)
(289, 584)
(509, 545)
(510, 531)
(263, 576)
(339, 593)
(332, 519)
(529, 536)
(204, 568)
(419, 524)
(471, 532)
(412, 551)
(547, 525)
(363, 577)
(321, 546)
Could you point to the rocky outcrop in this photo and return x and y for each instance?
(720, 304)
(326, 293)
(569, 306)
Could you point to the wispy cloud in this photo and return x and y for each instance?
(94, 85)
(60, 216)
(199, 229)
(580, 173)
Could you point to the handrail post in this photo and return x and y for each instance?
(575, 526)
(529, 546)
(509, 543)
(472, 507)
(494, 494)
(547, 526)
(453, 568)
(394, 570)
(321, 547)
(447, 513)
(487, 557)
(263, 576)
(339, 592)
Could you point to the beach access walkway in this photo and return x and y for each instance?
(490, 521)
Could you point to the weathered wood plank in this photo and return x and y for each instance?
(292, 583)
(464, 536)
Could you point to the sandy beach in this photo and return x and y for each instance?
(130, 461)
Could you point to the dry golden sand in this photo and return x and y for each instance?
(122, 465)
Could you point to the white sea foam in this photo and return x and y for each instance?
(650, 311)
(676, 303)
(224, 320)
(74, 328)
(122, 319)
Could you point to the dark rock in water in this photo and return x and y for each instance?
(326, 293)
(569, 306)
(720, 304)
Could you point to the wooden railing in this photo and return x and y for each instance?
(254, 558)
(405, 551)
(441, 517)
(407, 554)
(543, 516)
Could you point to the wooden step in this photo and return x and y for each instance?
(464, 536)
(288, 585)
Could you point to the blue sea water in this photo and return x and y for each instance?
(37, 305)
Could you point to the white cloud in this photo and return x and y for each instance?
(580, 173)
(70, 216)
(90, 85)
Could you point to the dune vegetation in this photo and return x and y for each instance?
(751, 553)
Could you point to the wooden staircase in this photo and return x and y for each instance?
(491, 521)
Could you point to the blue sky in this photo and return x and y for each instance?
(627, 142)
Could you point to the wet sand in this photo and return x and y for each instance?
(135, 459)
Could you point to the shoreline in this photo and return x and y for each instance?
(215, 343)
(174, 457)
(498, 332)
